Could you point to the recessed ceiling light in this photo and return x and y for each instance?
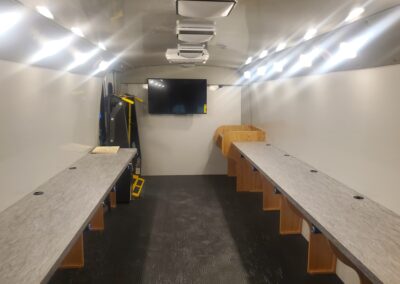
(261, 71)
(204, 8)
(278, 66)
(44, 11)
(355, 14)
(310, 34)
(8, 20)
(249, 60)
(281, 46)
(247, 74)
(102, 46)
(264, 53)
(82, 58)
(77, 31)
(307, 60)
(347, 51)
(103, 66)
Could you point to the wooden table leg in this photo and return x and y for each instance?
(113, 199)
(271, 200)
(290, 219)
(75, 257)
(97, 222)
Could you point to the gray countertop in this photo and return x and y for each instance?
(37, 231)
(364, 231)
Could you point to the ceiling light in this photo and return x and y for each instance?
(281, 46)
(310, 34)
(172, 55)
(51, 48)
(145, 86)
(213, 87)
(8, 20)
(247, 74)
(191, 50)
(195, 31)
(44, 11)
(347, 51)
(261, 71)
(82, 58)
(249, 60)
(77, 31)
(307, 60)
(204, 8)
(263, 54)
(355, 14)
(278, 66)
(102, 46)
(103, 66)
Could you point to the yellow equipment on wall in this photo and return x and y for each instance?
(138, 182)
(137, 186)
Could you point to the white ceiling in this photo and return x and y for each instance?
(144, 29)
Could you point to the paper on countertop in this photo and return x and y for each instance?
(105, 150)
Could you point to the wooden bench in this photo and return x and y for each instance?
(225, 135)
(344, 225)
(43, 231)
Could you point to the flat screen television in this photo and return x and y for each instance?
(177, 96)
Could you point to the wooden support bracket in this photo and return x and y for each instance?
(245, 176)
(257, 177)
(97, 222)
(363, 279)
(75, 257)
(321, 258)
(231, 167)
(113, 199)
(290, 219)
(271, 201)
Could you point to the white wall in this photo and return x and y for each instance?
(183, 145)
(345, 124)
(48, 120)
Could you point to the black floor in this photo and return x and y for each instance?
(192, 229)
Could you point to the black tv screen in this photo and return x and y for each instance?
(177, 96)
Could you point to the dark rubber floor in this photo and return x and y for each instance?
(192, 229)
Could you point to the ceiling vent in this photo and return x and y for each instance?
(195, 31)
(191, 50)
(173, 56)
(205, 8)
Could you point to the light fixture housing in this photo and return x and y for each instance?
(195, 31)
(172, 55)
(191, 50)
(207, 9)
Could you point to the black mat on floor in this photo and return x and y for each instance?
(192, 229)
